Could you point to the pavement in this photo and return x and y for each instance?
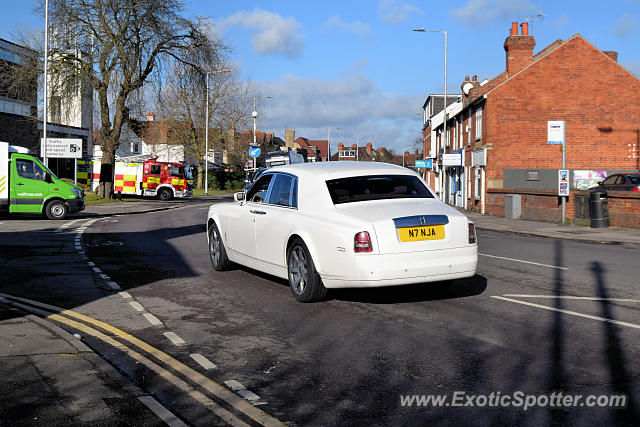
(50, 377)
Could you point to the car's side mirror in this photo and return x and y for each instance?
(600, 182)
(239, 196)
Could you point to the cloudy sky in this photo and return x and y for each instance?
(358, 66)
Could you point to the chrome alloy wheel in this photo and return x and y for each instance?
(57, 210)
(214, 246)
(298, 270)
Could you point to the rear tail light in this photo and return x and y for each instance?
(635, 189)
(472, 233)
(362, 242)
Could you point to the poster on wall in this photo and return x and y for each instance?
(586, 179)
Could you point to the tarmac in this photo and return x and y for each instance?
(36, 356)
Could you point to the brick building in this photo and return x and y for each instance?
(500, 127)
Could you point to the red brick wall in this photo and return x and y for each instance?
(624, 209)
(545, 205)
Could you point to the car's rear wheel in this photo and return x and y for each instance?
(217, 252)
(304, 280)
(56, 209)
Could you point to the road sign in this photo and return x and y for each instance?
(426, 164)
(63, 148)
(254, 151)
(556, 132)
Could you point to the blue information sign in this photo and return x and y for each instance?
(254, 151)
(427, 163)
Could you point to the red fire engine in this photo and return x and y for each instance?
(164, 180)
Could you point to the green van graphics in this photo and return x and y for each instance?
(27, 186)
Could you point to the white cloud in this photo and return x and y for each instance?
(357, 27)
(272, 34)
(353, 103)
(625, 26)
(394, 11)
(479, 13)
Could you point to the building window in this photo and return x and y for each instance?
(347, 153)
(135, 147)
(479, 123)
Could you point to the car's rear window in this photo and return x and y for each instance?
(376, 187)
(635, 179)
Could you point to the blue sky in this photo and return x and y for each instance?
(357, 66)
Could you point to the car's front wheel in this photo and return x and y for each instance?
(217, 252)
(304, 280)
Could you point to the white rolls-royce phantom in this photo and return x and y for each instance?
(342, 225)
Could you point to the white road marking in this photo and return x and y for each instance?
(203, 361)
(526, 262)
(90, 264)
(174, 338)
(136, 305)
(242, 390)
(163, 413)
(105, 277)
(96, 269)
(67, 225)
(113, 285)
(572, 313)
(125, 294)
(572, 297)
(152, 319)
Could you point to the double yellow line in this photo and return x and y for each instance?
(88, 326)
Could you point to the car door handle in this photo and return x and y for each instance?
(253, 211)
(20, 183)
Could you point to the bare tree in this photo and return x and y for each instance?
(183, 101)
(118, 46)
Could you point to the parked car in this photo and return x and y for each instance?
(342, 225)
(620, 182)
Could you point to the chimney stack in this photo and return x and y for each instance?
(290, 136)
(340, 146)
(519, 48)
(611, 54)
(369, 148)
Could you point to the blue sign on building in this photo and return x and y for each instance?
(426, 164)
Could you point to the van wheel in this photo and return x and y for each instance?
(56, 209)
(304, 280)
(164, 194)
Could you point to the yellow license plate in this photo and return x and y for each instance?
(414, 234)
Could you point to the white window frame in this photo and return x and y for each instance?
(479, 123)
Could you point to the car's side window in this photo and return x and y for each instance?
(282, 193)
(258, 191)
(611, 180)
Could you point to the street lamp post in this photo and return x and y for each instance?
(46, 78)
(254, 114)
(422, 30)
(329, 144)
(206, 136)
